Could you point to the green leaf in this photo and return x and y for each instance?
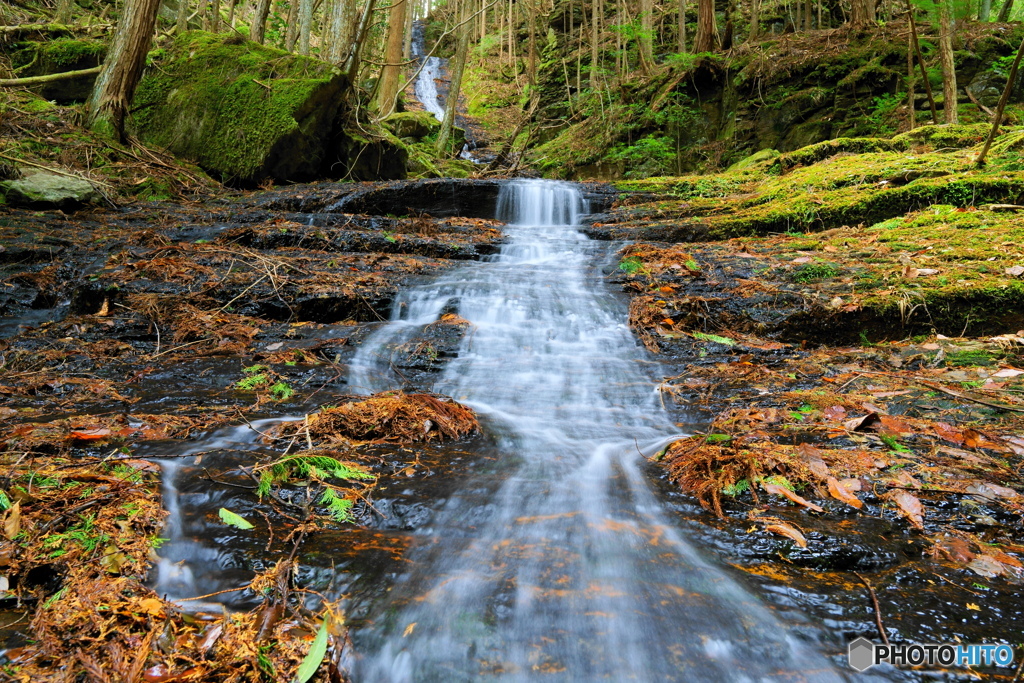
(315, 657)
(714, 338)
(229, 517)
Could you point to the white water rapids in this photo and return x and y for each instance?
(570, 571)
(426, 82)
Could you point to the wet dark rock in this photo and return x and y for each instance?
(436, 197)
(42, 190)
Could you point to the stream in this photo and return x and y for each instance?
(570, 568)
(556, 560)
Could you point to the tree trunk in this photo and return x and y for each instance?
(387, 91)
(305, 25)
(341, 29)
(64, 8)
(595, 44)
(1004, 11)
(531, 63)
(258, 30)
(355, 50)
(863, 12)
(647, 35)
(182, 19)
(706, 39)
(681, 35)
(946, 57)
(755, 20)
(456, 85)
(911, 113)
(292, 33)
(215, 16)
(808, 15)
(122, 69)
(410, 16)
(1011, 79)
(985, 10)
(231, 13)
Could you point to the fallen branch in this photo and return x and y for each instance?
(49, 78)
(874, 604)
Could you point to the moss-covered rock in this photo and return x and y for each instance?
(246, 112)
(58, 56)
(43, 190)
(412, 124)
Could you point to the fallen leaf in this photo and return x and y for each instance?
(984, 565)
(786, 493)
(233, 519)
(910, 506)
(973, 606)
(841, 493)
(909, 272)
(151, 606)
(834, 412)
(989, 491)
(893, 426)
(948, 433)
(90, 434)
(12, 522)
(860, 424)
(788, 531)
(409, 629)
(1014, 271)
(802, 259)
(1008, 372)
(927, 271)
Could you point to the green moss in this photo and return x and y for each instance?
(814, 272)
(69, 51)
(812, 154)
(236, 107)
(945, 136)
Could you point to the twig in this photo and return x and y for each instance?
(210, 595)
(874, 604)
(957, 394)
(52, 170)
(955, 584)
(210, 477)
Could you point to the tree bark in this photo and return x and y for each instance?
(456, 85)
(985, 10)
(122, 69)
(706, 39)
(1004, 11)
(1010, 81)
(755, 20)
(305, 25)
(387, 91)
(341, 30)
(946, 57)
(647, 35)
(863, 12)
(595, 44)
(258, 30)
(215, 16)
(681, 30)
(48, 78)
(410, 16)
(64, 8)
(355, 50)
(292, 32)
(182, 18)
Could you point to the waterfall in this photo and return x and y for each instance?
(559, 563)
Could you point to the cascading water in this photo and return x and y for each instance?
(569, 571)
(426, 82)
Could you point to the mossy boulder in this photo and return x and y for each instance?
(58, 56)
(756, 160)
(242, 111)
(41, 190)
(412, 124)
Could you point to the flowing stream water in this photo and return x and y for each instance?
(426, 82)
(567, 569)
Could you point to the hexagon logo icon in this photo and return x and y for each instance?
(862, 654)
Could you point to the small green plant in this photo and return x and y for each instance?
(778, 480)
(631, 265)
(725, 341)
(390, 236)
(717, 438)
(894, 445)
(737, 488)
(814, 272)
(969, 357)
(319, 468)
(281, 391)
(802, 412)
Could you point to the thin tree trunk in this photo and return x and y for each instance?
(231, 13)
(64, 8)
(1011, 80)
(646, 35)
(920, 63)
(707, 27)
(215, 16)
(531, 64)
(452, 102)
(351, 67)
(946, 57)
(292, 33)
(755, 20)
(305, 25)
(182, 18)
(911, 113)
(681, 35)
(595, 43)
(387, 91)
(985, 10)
(122, 69)
(341, 30)
(410, 16)
(1004, 11)
(258, 30)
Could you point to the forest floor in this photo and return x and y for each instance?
(850, 444)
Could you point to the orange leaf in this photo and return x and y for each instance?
(90, 434)
(788, 531)
(910, 507)
(786, 493)
(841, 493)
